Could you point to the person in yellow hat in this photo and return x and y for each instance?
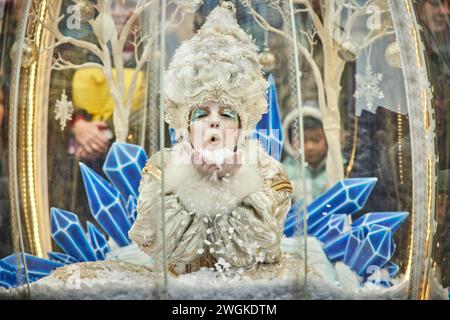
(92, 123)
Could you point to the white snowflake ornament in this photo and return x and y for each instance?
(63, 110)
(368, 86)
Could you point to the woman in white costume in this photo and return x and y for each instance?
(225, 198)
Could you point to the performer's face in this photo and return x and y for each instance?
(213, 126)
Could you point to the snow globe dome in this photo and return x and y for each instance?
(349, 115)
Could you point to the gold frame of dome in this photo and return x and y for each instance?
(422, 133)
(28, 166)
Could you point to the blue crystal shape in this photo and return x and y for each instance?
(123, 167)
(69, 235)
(269, 129)
(8, 278)
(173, 137)
(335, 249)
(392, 268)
(333, 228)
(98, 241)
(36, 267)
(382, 283)
(356, 237)
(345, 197)
(61, 257)
(132, 208)
(391, 220)
(376, 249)
(106, 206)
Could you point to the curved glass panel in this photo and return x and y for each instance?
(433, 16)
(198, 149)
(356, 128)
(12, 242)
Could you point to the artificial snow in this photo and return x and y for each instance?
(115, 279)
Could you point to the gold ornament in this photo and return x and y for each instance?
(348, 51)
(29, 53)
(87, 10)
(267, 60)
(392, 55)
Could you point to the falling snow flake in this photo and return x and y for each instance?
(368, 86)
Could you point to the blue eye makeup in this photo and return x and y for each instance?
(229, 114)
(198, 113)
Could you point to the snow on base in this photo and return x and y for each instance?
(133, 279)
(118, 280)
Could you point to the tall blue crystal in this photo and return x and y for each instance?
(335, 249)
(173, 137)
(333, 228)
(36, 267)
(123, 167)
(345, 197)
(106, 206)
(391, 220)
(61, 257)
(69, 235)
(132, 208)
(356, 237)
(98, 241)
(392, 268)
(269, 129)
(8, 277)
(376, 249)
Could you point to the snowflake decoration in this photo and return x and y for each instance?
(368, 86)
(63, 110)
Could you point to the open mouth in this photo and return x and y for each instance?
(214, 138)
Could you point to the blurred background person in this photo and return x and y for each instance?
(316, 148)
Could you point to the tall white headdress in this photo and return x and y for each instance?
(220, 63)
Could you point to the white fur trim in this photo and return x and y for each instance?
(207, 196)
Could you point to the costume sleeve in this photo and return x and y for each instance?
(185, 231)
(144, 230)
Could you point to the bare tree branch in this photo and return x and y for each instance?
(359, 12)
(54, 29)
(370, 39)
(317, 76)
(60, 63)
(321, 32)
(262, 22)
(139, 65)
(140, 7)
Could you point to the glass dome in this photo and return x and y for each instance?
(349, 202)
